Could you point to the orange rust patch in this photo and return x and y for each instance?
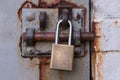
(49, 2)
(99, 65)
(97, 57)
(97, 41)
(44, 67)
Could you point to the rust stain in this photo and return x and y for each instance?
(44, 67)
(97, 30)
(46, 3)
(55, 3)
(26, 4)
(97, 56)
(99, 65)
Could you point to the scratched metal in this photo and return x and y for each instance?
(12, 65)
(106, 19)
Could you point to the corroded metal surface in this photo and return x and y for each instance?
(50, 36)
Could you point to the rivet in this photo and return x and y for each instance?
(30, 16)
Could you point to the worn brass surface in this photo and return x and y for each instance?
(62, 57)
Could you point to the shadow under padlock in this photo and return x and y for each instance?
(62, 54)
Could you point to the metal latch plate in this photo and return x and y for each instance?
(78, 22)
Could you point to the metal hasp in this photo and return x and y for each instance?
(50, 37)
(39, 27)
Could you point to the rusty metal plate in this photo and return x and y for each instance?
(51, 24)
(81, 69)
(78, 22)
(62, 57)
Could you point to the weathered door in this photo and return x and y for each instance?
(81, 66)
(101, 17)
(15, 67)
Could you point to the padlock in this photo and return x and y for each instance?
(62, 55)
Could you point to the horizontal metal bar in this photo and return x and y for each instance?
(50, 36)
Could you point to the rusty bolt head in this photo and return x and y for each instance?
(30, 16)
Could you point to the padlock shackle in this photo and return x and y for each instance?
(57, 32)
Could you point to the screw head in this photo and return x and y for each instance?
(30, 16)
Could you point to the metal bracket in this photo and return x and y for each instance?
(36, 42)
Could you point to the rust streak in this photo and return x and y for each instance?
(97, 41)
(99, 65)
(44, 66)
(97, 57)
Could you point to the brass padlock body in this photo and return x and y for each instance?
(62, 57)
